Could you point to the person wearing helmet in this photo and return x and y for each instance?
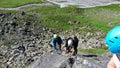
(71, 45)
(56, 40)
(112, 40)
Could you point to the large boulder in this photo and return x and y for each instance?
(49, 61)
(79, 61)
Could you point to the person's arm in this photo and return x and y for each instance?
(111, 64)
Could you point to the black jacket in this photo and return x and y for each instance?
(75, 42)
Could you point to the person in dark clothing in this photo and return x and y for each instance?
(71, 45)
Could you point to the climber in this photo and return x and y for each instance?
(71, 45)
(56, 40)
(112, 40)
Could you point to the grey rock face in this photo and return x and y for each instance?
(61, 61)
(49, 61)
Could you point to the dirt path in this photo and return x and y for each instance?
(20, 7)
(64, 3)
(84, 3)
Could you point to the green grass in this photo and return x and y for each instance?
(94, 50)
(15, 3)
(55, 17)
(102, 18)
(113, 7)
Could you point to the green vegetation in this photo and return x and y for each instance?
(15, 3)
(114, 7)
(94, 50)
(55, 17)
(102, 18)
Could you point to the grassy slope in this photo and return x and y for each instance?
(102, 18)
(53, 16)
(14, 3)
(94, 50)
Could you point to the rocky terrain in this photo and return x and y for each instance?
(25, 42)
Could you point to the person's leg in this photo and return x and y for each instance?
(75, 50)
(59, 46)
(55, 47)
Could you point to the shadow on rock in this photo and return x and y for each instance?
(89, 55)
